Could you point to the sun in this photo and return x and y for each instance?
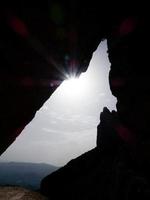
(74, 87)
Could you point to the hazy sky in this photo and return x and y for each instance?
(65, 127)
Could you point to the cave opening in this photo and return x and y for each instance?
(65, 127)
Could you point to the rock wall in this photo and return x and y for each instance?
(41, 44)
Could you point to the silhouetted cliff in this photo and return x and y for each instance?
(42, 44)
(115, 169)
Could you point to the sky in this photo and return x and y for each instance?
(65, 127)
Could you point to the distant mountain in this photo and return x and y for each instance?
(28, 175)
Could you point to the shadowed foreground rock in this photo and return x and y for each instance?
(119, 167)
(44, 43)
(114, 170)
(18, 193)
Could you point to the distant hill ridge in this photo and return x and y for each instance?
(28, 175)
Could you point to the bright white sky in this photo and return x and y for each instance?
(65, 127)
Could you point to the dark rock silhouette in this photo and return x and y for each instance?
(41, 44)
(115, 169)
(118, 168)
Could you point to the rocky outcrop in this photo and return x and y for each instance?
(88, 176)
(115, 169)
(42, 44)
(18, 193)
(118, 168)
